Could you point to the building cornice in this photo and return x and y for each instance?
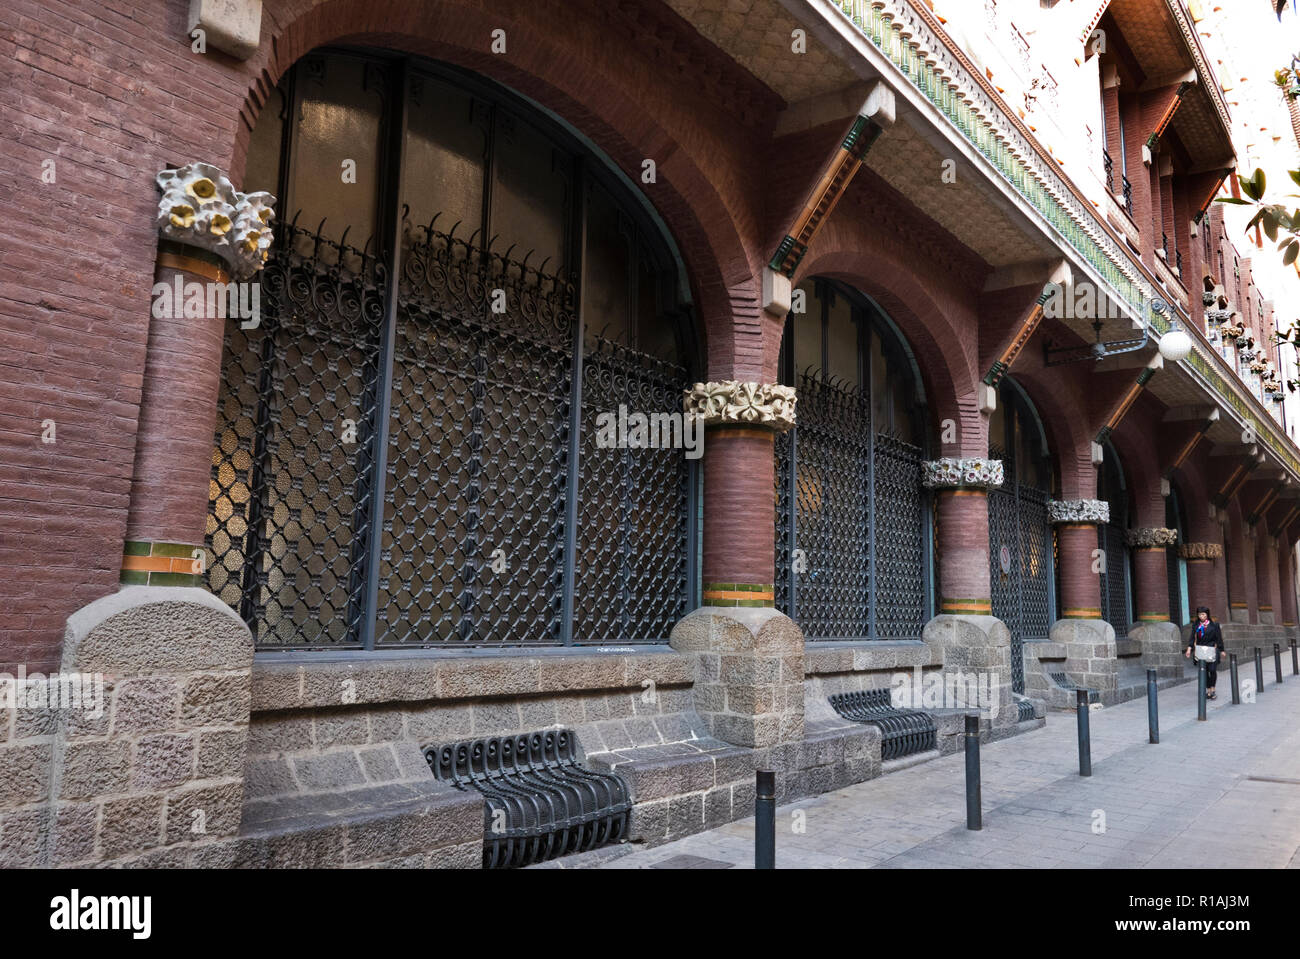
(909, 35)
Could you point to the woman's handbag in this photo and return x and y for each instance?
(1207, 654)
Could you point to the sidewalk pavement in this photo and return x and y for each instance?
(1223, 793)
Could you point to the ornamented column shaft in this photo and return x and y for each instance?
(1076, 523)
(1149, 545)
(741, 421)
(1286, 582)
(1266, 564)
(962, 516)
(213, 239)
(1202, 589)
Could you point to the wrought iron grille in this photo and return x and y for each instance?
(632, 506)
(1109, 165)
(900, 586)
(828, 512)
(477, 461)
(479, 473)
(851, 521)
(287, 525)
(1114, 582)
(1022, 595)
(1128, 194)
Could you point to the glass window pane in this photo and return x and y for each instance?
(606, 284)
(654, 332)
(842, 345)
(530, 195)
(879, 385)
(338, 143)
(807, 329)
(262, 168)
(446, 147)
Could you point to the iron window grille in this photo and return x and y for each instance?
(473, 506)
(854, 531)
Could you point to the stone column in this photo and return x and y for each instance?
(1286, 583)
(1149, 544)
(1266, 566)
(749, 656)
(971, 637)
(1238, 604)
(150, 770)
(1202, 585)
(1159, 638)
(1088, 640)
(212, 240)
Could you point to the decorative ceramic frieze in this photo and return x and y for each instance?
(1201, 551)
(951, 473)
(1151, 536)
(735, 401)
(1077, 511)
(200, 207)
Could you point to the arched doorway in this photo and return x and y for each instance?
(1116, 575)
(408, 451)
(854, 528)
(1021, 563)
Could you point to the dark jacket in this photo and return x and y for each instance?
(1212, 636)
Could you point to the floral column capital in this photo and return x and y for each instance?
(1078, 511)
(953, 473)
(1151, 537)
(201, 208)
(740, 402)
(1201, 551)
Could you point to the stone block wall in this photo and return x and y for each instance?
(160, 772)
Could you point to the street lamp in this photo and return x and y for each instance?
(1175, 345)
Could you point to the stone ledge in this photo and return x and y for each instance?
(300, 683)
(868, 656)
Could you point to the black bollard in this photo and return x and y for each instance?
(1277, 662)
(764, 819)
(974, 806)
(1236, 687)
(1259, 671)
(1153, 715)
(1200, 690)
(1295, 661)
(1085, 742)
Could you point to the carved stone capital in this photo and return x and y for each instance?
(951, 473)
(1077, 511)
(1151, 536)
(200, 208)
(734, 401)
(1201, 551)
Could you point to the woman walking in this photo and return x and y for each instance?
(1207, 639)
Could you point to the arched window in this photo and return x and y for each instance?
(430, 438)
(1116, 578)
(853, 522)
(1021, 564)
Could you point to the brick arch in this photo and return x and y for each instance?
(931, 329)
(1138, 456)
(560, 58)
(1062, 408)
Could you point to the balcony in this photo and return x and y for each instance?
(936, 71)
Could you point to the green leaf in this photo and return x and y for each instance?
(1292, 252)
(1248, 188)
(1270, 225)
(1259, 181)
(1295, 175)
(1232, 199)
